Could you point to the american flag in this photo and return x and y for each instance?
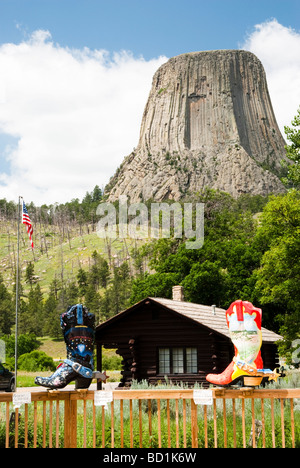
(26, 220)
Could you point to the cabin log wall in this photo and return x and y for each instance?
(139, 335)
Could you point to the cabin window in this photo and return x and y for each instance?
(177, 360)
(164, 361)
(191, 360)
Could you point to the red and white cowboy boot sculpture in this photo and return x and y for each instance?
(244, 323)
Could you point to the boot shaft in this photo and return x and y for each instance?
(244, 323)
(245, 315)
(78, 326)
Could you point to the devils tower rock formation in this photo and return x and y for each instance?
(208, 122)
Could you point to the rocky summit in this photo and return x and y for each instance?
(208, 122)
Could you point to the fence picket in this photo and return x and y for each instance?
(263, 422)
(158, 423)
(234, 423)
(292, 423)
(184, 422)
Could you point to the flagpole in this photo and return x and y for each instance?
(17, 291)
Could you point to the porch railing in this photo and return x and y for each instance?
(158, 418)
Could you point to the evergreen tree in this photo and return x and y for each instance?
(71, 293)
(6, 309)
(99, 273)
(97, 194)
(117, 295)
(93, 301)
(29, 274)
(52, 322)
(32, 321)
(82, 280)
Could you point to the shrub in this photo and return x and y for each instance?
(26, 343)
(111, 363)
(36, 361)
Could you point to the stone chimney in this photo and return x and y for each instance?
(177, 293)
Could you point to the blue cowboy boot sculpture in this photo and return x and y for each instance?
(78, 326)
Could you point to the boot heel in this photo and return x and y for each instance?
(252, 381)
(82, 382)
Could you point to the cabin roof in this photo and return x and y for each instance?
(214, 319)
(203, 315)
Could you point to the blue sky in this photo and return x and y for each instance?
(146, 27)
(75, 77)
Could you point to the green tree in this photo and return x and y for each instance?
(117, 294)
(278, 278)
(52, 322)
(103, 272)
(120, 287)
(55, 287)
(32, 320)
(82, 280)
(206, 283)
(155, 285)
(26, 343)
(97, 194)
(92, 301)
(29, 274)
(99, 272)
(36, 361)
(6, 309)
(218, 273)
(71, 293)
(8, 209)
(293, 151)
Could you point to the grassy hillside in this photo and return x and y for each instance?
(56, 254)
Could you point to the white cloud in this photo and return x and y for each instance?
(75, 113)
(278, 48)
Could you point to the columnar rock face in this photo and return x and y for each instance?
(208, 122)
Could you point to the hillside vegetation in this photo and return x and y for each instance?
(251, 252)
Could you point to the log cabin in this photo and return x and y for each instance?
(170, 339)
